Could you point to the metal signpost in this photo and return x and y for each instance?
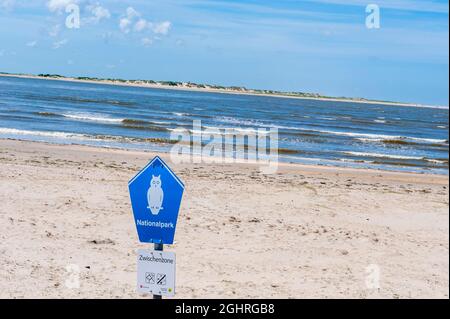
(156, 194)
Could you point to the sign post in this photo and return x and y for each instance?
(158, 247)
(156, 194)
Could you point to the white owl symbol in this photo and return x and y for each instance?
(155, 195)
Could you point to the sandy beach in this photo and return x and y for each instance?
(305, 232)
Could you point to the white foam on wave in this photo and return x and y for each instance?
(64, 135)
(159, 122)
(378, 137)
(392, 156)
(221, 131)
(92, 117)
(254, 123)
(363, 154)
(234, 120)
(180, 114)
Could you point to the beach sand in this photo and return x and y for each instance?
(305, 232)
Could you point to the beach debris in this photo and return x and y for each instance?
(233, 219)
(106, 241)
(344, 252)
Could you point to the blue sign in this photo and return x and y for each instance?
(156, 194)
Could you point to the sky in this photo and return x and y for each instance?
(319, 46)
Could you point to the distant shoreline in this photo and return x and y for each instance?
(158, 85)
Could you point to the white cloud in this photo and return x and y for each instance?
(133, 21)
(162, 28)
(98, 13)
(124, 24)
(132, 13)
(146, 42)
(141, 25)
(54, 31)
(58, 44)
(59, 5)
(70, 62)
(31, 44)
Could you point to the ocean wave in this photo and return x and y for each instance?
(91, 117)
(234, 120)
(48, 114)
(144, 125)
(64, 135)
(78, 100)
(82, 137)
(388, 141)
(150, 128)
(133, 121)
(378, 137)
(101, 118)
(99, 101)
(364, 137)
(255, 123)
(142, 122)
(180, 114)
(363, 154)
(367, 137)
(397, 157)
(398, 140)
(221, 131)
(348, 160)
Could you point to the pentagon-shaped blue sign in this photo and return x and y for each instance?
(156, 194)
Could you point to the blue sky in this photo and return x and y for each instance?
(318, 46)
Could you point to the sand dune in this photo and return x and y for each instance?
(303, 232)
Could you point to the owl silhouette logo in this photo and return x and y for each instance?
(155, 195)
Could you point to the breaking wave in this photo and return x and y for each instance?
(397, 157)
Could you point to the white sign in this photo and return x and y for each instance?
(156, 272)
